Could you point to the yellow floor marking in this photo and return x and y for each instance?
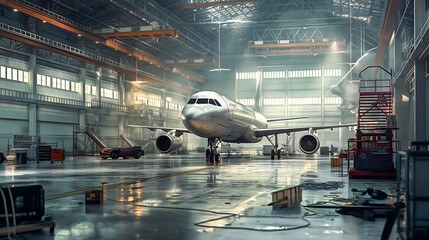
(68, 194)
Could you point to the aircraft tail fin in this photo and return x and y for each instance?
(258, 94)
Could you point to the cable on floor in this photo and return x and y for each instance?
(236, 215)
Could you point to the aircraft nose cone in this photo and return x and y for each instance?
(194, 118)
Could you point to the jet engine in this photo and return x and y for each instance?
(309, 144)
(167, 143)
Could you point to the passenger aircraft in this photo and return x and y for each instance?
(215, 117)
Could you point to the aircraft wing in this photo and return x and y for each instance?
(272, 131)
(285, 119)
(179, 131)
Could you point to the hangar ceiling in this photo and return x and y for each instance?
(242, 22)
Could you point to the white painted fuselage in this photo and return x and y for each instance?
(211, 115)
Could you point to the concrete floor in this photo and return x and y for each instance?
(164, 196)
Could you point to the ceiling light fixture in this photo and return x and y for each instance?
(137, 82)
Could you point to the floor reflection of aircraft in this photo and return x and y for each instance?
(211, 179)
(217, 118)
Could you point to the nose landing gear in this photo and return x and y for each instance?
(211, 153)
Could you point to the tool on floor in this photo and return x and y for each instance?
(95, 196)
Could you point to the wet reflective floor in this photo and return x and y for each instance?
(180, 197)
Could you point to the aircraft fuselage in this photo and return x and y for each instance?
(211, 115)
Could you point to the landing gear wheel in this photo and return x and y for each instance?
(211, 158)
(114, 155)
(207, 154)
(279, 154)
(104, 157)
(272, 154)
(137, 154)
(217, 157)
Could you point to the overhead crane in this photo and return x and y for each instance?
(143, 34)
(299, 44)
(298, 48)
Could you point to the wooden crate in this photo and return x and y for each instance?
(336, 161)
(287, 197)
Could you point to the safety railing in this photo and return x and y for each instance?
(376, 86)
(110, 106)
(30, 97)
(33, 97)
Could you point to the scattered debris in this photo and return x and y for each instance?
(374, 193)
(310, 174)
(313, 185)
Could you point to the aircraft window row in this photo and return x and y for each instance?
(204, 101)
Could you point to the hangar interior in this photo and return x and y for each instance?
(77, 77)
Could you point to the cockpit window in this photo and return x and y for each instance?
(212, 102)
(202, 101)
(192, 101)
(217, 103)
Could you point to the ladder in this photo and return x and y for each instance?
(375, 101)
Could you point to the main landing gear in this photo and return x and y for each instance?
(211, 153)
(275, 152)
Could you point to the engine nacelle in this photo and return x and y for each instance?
(167, 143)
(309, 144)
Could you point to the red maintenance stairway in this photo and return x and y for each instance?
(374, 147)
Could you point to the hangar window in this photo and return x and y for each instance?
(15, 74)
(333, 72)
(3, 72)
(88, 89)
(246, 101)
(202, 101)
(20, 76)
(26, 76)
(75, 86)
(304, 73)
(245, 75)
(192, 101)
(274, 101)
(274, 74)
(9, 73)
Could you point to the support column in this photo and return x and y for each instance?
(32, 120)
(82, 81)
(286, 93)
(121, 88)
(32, 71)
(98, 84)
(163, 108)
(401, 98)
(419, 101)
(82, 119)
(323, 96)
(121, 120)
